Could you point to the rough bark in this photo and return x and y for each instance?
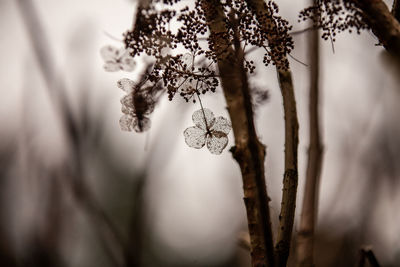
(382, 23)
(289, 191)
(288, 204)
(248, 150)
(305, 235)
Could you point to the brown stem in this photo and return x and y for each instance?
(396, 9)
(305, 236)
(382, 23)
(248, 150)
(288, 204)
(367, 254)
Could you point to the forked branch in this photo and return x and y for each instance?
(288, 204)
(248, 150)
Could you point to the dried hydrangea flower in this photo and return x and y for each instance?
(116, 59)
(136, 105)
(208, 130)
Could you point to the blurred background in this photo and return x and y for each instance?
(77, 191)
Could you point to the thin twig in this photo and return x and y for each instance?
(366, 254)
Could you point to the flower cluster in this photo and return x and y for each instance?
(152, 36)
(334, 17)
(140, 98)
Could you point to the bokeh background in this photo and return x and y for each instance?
(77, 191)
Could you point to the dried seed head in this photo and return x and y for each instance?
(183, 74)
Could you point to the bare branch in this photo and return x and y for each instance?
(366, 254)
(382, 23)
(248, 150)
(305, 236)
(288, 204)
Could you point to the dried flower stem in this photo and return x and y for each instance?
(288, 204)
(248, 150)
(305, 235)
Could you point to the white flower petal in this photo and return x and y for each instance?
(127, 110)
(127, 85)
(125, 122)
(217, 143)
(111, 66)
(109, 53)
(222, 125)
(195, 137)
(127, 64)
(127, 101)
(202, 117)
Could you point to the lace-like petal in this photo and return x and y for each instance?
(127, 63)
(221, 125)
(217, 144)
(111, 66)
(109, 53)
(126, 85)
(125, 122)
(200, 118)
(195, 137)
(127, 101)
(127, 110)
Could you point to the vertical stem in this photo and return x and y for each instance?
(305, 236)
(288, 204)
(248, 150)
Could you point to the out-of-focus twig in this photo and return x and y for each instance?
(56, 89)
(305, 235)
(366, 254)
(311, 28)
